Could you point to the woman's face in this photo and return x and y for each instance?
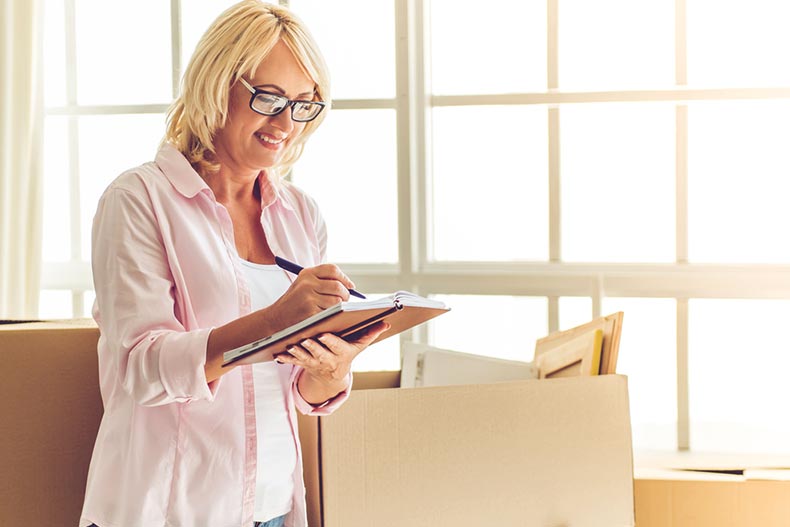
(250, 142)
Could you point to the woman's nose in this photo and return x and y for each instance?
(283, 120)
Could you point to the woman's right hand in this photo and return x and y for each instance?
(315, 289)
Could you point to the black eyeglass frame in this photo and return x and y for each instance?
(289, 103)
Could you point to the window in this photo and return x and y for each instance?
(534, 172)
(107, 90)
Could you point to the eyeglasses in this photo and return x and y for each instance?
(271, 104)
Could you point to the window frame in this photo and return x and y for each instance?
(75, 274)
(414, 271)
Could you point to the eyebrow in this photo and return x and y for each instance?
(276, 88)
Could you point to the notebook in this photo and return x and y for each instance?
(402, 310)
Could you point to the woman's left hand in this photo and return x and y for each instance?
(327, 361)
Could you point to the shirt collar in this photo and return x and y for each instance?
(188, 182)
(179, 172)
(271, 191)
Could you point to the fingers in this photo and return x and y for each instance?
(322, 293)
(303, 353)
(313, 290)
(318, 360)
(370, 334)
(331, 274)
(327, 347)
(307, 353)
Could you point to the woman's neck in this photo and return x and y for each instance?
(230, 187)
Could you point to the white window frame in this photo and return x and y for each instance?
(680, 280)
(554, 278)
(75, 275)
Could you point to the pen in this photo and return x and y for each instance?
(296, 269)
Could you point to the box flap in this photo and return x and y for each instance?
(371, 380)
(714, 462)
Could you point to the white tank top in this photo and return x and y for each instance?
(274, 486)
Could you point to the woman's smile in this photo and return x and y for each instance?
(269, 141)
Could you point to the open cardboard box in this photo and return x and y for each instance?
(540, 453)
(537, 452)
(691, 489)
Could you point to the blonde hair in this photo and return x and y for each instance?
(234, 46)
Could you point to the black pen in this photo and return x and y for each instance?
(296, 269)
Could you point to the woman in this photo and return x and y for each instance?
(183, 249)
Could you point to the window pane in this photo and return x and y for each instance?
(382, 356)
(104, 155)
(196, 17)
(648, 357)
(473, 48)
(616, 44)
(738, 364)
(490, 183)
(56, 243)
(88, 297)
(357, 38)
(519, 322)
(54, 53)
(124, 52)
(738, 43)
(618, 182)
(574, 311)
(54, 304)
(739, 181)
(355, 183)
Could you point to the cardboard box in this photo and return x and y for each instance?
(539, 453)
(709, 490)
(51, 409)
(682, 499)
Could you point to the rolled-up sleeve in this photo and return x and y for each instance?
(156, 359)
(309, 409)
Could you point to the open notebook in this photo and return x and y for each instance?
(402, 310)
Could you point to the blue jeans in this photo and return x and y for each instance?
(274, 522)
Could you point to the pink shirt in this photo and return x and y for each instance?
(172, 449)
